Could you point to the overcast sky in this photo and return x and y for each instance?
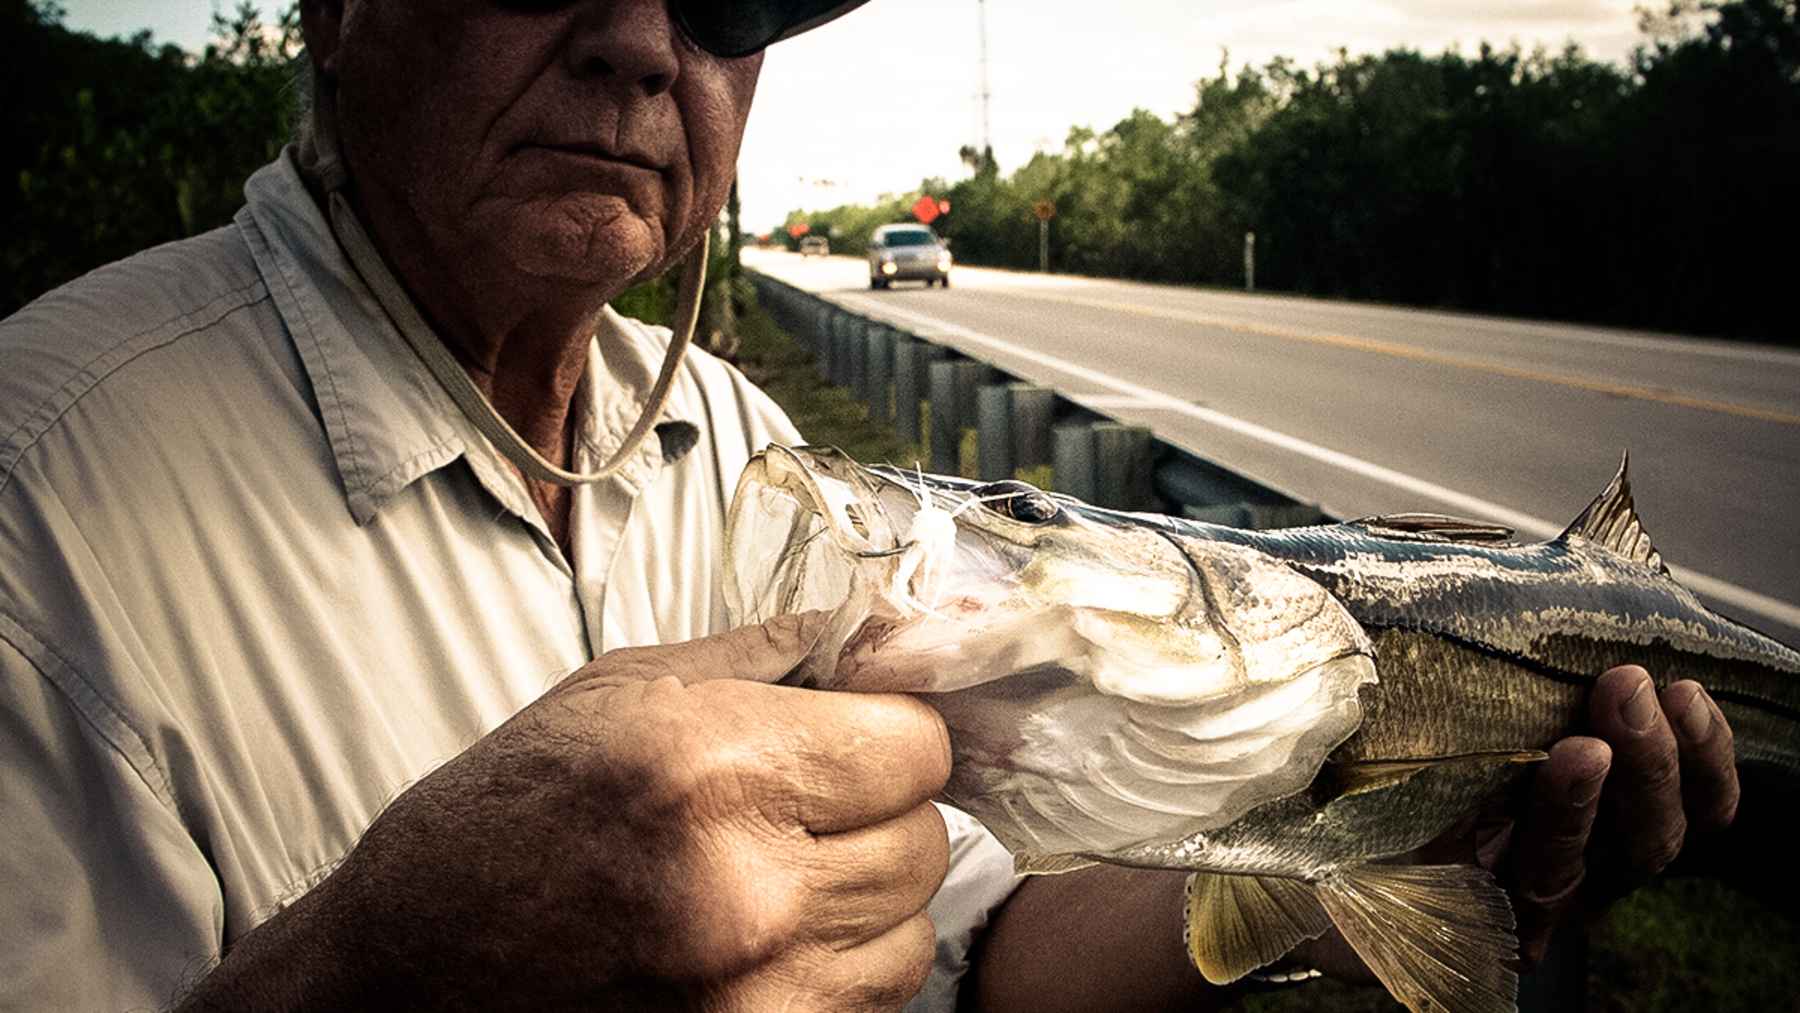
(878, 100)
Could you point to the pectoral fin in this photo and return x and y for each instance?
(1236, 924)
(1356, 777)
(1049, 865)
(1440, 937)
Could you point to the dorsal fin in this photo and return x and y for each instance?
(1435, 527)
(1611, 521)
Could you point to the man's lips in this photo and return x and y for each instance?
(598, 153)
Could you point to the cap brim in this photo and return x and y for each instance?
(827, 10)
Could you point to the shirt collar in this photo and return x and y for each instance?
(387, 420)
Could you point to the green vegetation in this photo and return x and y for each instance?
(1536, 184)
(118, 145)
(1675, 946)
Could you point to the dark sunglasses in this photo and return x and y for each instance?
(732, 28)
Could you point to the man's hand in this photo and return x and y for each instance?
(1608, 812)
(1602, 816)
(662, 828)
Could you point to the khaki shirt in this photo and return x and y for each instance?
(257, 575)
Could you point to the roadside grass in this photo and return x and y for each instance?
(1680, 944)
(825, 414)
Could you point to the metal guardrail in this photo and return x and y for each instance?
(933, 395)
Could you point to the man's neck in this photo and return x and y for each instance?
(523, 341)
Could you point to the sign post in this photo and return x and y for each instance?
(1045, 210)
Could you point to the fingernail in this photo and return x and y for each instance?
(1639, 711)
(1697, 719)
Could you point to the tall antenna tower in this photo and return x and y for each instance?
(987, 131)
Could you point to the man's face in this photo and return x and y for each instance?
(587, 143)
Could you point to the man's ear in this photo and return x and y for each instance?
(321, 23)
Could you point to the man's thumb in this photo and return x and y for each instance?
(760, 652)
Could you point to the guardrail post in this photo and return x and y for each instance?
(1072, 456)
(857, 375)
(993, 436)
(840, 348)
(879, 395)
(828, 346)
(1033, 409)
(1122, 466)
(912, 383)
(825, 317)
(946, 425)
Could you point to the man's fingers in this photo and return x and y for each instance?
(1709, 783)
(855, 759)
(1643, 805)
(883, 973)
(760, 652)
(872, 879)
(1552, 836)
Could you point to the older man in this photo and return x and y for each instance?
(287, 625)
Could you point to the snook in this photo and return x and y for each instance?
(1275, 711)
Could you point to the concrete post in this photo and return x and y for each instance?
(840, 348)
(856, 375)
(993, 437)
(879, 396)
(946, 425)
(1122, 463)
(1033, 409)
(1073, 459)
(970, 375)
(912, 383)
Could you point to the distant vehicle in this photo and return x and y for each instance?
(815, 245)
(908, 253)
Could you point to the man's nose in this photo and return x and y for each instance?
(628, 42)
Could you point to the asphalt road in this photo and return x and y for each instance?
(1369, 409)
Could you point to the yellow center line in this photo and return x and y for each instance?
(1400, 351)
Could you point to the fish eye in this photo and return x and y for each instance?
(1022, 502)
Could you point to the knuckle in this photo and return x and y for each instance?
(934, 738)
(734, 922)
(1660, 850)
(1550, 887)
(1724, 740)
(903, 971)
(1566, 843)
(1658, 772)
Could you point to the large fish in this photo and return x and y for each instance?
(1276, 711)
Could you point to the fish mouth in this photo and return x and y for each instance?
(810, 529)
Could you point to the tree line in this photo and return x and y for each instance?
(1663, 192)
(115, 145)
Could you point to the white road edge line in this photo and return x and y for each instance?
(1739, 597)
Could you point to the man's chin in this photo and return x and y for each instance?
(587, 240)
